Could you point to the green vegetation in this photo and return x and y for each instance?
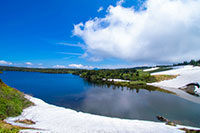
(192, 62)
(12, 103)
(136, 75)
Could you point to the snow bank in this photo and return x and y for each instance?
(150, 69)
(117, 80)
(187, 74)
(50, 118)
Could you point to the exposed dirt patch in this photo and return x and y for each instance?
(190, 130)
(164, 77)
(25, 121)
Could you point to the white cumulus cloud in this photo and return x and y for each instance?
(28, 63)
(59, 66)
(80, 66)
(100, 9)
(3, 62)
(162, 31)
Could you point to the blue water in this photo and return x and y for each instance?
(70, 91)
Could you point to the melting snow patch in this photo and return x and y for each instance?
(50, 118)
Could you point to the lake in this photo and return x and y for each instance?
(70, 91)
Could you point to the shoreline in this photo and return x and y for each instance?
(50, 118)
(172, 85)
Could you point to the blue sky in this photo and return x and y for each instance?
(39, 33)
(31, 30)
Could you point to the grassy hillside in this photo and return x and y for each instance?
(12, 103)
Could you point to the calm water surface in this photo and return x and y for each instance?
(73, 92)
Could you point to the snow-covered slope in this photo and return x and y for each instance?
(187, 74)
(50, 118)
(151, 69)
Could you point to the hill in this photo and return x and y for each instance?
(12, 103)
